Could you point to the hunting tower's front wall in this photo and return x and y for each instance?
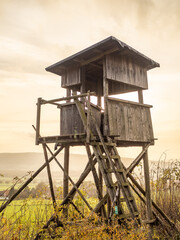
(129, 122)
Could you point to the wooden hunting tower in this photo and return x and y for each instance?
(107, 68)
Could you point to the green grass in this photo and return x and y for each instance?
(24, 218)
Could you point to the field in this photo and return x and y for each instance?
(25, 217)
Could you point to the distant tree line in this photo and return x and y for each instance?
(42, 190)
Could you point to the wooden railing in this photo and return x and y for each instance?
(56, 102)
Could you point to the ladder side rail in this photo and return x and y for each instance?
(123, 175)
(112, 165)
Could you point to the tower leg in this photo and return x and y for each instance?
(65, 177)
(148, 196)
(100, 186)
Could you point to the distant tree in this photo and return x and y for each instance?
(42, 190)
(33, 192)
(25, 193)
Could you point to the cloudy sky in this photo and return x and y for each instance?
(36, 33)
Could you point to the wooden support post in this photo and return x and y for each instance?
(99, 103)
(66, 166)
(140, 96)
(105, 93)
(96, 180)
(138, 159)
(78, 183)
(38, 120)
(148, 195)
(68, 94)
(83, 79)
(147, 182)
(49, 176)
(65, 176)
(100, 185)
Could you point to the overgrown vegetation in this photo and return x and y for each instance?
(25, 216)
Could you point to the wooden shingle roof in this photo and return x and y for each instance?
(98, 51)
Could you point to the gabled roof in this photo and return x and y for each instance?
(97, 51)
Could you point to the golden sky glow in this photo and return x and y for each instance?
(37, 33)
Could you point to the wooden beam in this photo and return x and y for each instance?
(101, 55)
(49, 176)
(87, 129)
(38, 116)
(78, 183)
(65, 176)
(77, 209)
(100, 204)
(140, 96)
(83, 80)
(66, 98)
(96, 179)
(28, 181)
(95, 65)
(147, 182)
(148, 194)
(130, 102)
(138, 159)
(105, 93)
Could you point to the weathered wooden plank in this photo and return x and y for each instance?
(148, 194)
(65, 176)
(129, 122)
(71, 77)
(124, 69)
(38, 120)
(49, 176)
(129, 102)
(105, 92)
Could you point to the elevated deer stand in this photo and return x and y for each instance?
(107, 68)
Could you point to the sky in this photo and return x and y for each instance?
(37, 33)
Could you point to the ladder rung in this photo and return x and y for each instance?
(94, 143)
(109, 170)
(114, 156)
(125, 184)
(129, 198)
(108, 144)
(111, 156)
(120, 170)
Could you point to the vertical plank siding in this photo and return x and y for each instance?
(125, 70)
(72, 76)
(129, 122)
(71, 122)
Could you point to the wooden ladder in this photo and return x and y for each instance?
(112, 171)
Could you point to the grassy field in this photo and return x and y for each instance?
(23, 219)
